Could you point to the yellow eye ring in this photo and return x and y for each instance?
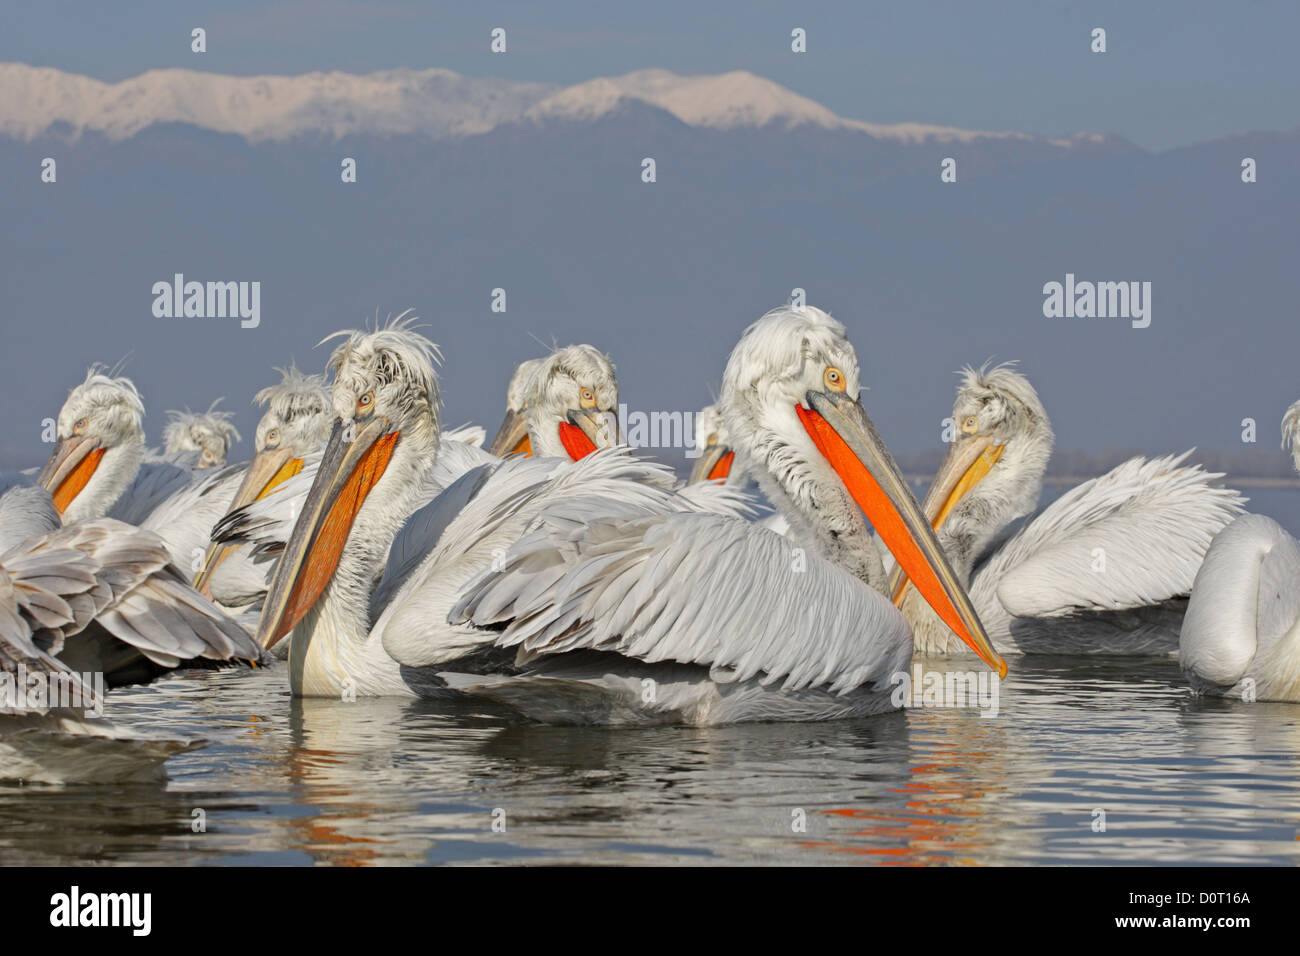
(834, 379)
(970, 425)
(587, 397)
(366, 400)
(712, 439)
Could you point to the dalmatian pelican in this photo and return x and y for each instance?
(572, 403)
(1105, 568)
(99, 448)
(512, 436)
(1241, 634)
(295, 425)
(98, 468)
(209, 433)
(98, 597)
(621, 615)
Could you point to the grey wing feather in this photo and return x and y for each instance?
(412, 617)
(25, 510)
(1131, 538)
(691, 588)
(119, 576)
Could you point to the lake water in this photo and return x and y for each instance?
(1075, 743)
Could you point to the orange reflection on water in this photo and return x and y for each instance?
(943, 819)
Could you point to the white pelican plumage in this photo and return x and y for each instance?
(98, 597)
(512, 437)
(717, 462)
(1241, 633)
(1104, 569)
(623, 615)
(209, 433)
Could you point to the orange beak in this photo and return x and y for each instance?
(575, 441)
(847, 438)
(512, 436)
(966, 463)
(267, 471)
(714, 464)
(586, 430)
(348, 471)
(70, 468)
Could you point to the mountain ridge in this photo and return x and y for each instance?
(435, 102)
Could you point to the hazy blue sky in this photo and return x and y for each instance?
(1175, 73)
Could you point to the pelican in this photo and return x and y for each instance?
(572, 403)
(624, 616)
(99, 597)
(512, 436)
(365, 519)
(99, 448)
(99, 467)
(209, 433)
(716, 461)
(296, 424)
(1105, 568)
(1241, 634)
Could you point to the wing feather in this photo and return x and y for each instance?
(1131, 538)
(694, 588)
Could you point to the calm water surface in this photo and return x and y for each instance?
(288, 781)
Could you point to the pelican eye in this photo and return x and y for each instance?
(587, 397)
(834, 379)
(273, 437)
(366, 401)
(713, 439)
(80, 427)
(971, 425)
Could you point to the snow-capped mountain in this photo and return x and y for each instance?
(436, 103)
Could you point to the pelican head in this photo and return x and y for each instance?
(210, 433)
(1291, 433)
(512, 436)
(717, 460)
(573, 403)
(387, 421)
(299, 413)
(791, 399)
(99, 447)
(993, 470)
